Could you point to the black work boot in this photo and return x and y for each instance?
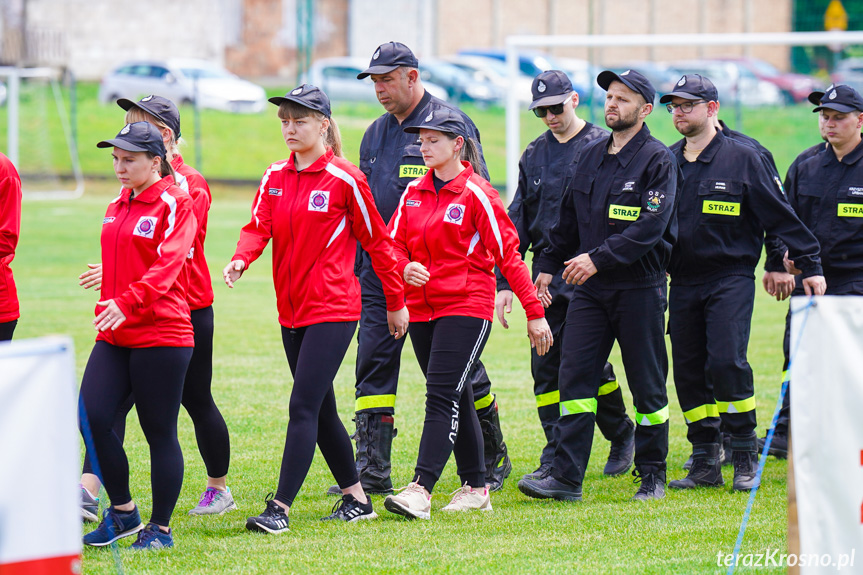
(374, 438)
(497, 463)
(724, 453)
(652, 484)
(549, 487)
(745, 461)
(622, 452)
(706, 470)
(779, 445)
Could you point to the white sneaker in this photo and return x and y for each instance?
(413, 502)
(466, 498)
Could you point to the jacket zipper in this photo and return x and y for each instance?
(291, 209)
(428, 251)
(118, 228)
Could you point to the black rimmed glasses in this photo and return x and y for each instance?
(685, 107)
(556, 109)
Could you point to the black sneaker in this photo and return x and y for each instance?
(273, 520)
(778, 447)
(622, 454)
(550, 488)
(652, 485)
(541, 472)
(349, 509)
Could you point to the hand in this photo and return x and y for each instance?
(778, 284)
(92, 278)
(540, 335)
(110, 318)
(579, 269)
(502, 306)
(416, 274)
(789, 265)
(542, 282)
(233, 271)
(815, 285)
(398, 322)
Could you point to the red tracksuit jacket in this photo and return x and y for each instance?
(10, 225)
(199, 290)
(145, 242)
(315, 218)
(459, 235)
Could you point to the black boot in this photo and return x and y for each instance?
(622, 452)
(745, 461)
(706, 470)
(652, 484)
(779, 445)
(724, 453)
(497, 463)
(374, 438)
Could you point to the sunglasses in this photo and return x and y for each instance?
(556, 109)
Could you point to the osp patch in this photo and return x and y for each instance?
(454, 214)
(654, 201)
(145, 227)
(319, 201)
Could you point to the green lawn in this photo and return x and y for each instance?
(607, 533)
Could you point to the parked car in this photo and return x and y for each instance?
(176, 79)
(459, 85)
(850, 72)
(795, 87)
(583, 75)
(337, 77)
(735, 84)
(494, 71)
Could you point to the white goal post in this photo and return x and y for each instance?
(514, 43)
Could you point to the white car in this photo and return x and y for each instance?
(176, 80)
(337, 77)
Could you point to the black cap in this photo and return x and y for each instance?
(632, 79)
(306, 95)
(693, 87)
(137, 137)
(158, 107)
(840, 97)
(550, 88)
(442, 120)
(388, 57)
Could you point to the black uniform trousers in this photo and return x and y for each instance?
(636, 319)
(610, 410)
(7, 329)
(709, 327)
(379, 354)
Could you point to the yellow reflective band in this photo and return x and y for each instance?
(412, 171)
(375, 401)
(739, 406)
(608, 388)
(626, 213)
(850, 210)
(483, 402)
(655, 418)
(721, 208)
(575, 406)
(549, 398)
(786, 375)
(701, 412)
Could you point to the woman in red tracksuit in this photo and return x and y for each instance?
(315, 206)
(145, 336)
(211, 432)
(10, 224)
(450, 229)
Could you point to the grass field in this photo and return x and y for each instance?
(607, 533)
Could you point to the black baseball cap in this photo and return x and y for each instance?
(137, 137)
(442, 120)
(388, 57)
(632, 79)
(550, 88)
(161, 108)
(840, 97)
(306, 95)
(692, 87)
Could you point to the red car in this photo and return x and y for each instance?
(796, 87)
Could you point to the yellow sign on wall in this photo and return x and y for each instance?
(835, 17)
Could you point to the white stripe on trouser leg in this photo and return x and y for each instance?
(473, 353)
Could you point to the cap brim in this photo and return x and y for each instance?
(685, 95)
(549, 100)
(815, 98)
(376, 70)
(838, 107)
(279, 100)
(122, 144)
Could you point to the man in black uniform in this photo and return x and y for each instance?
(391, 159)
(727, 200)
(614, 236)
(542, 172)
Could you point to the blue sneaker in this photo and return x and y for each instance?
(115, 525)
(151, 537)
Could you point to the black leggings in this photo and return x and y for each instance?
(314, 354)
(7, 329)
(155, 376)
(210, 428)
(446, 349)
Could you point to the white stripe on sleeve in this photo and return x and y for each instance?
(400, 208)
(172, 215)
(339, 230)
(483, 199)
(349, 179)
(274, 168)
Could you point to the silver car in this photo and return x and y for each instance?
(176, 80)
